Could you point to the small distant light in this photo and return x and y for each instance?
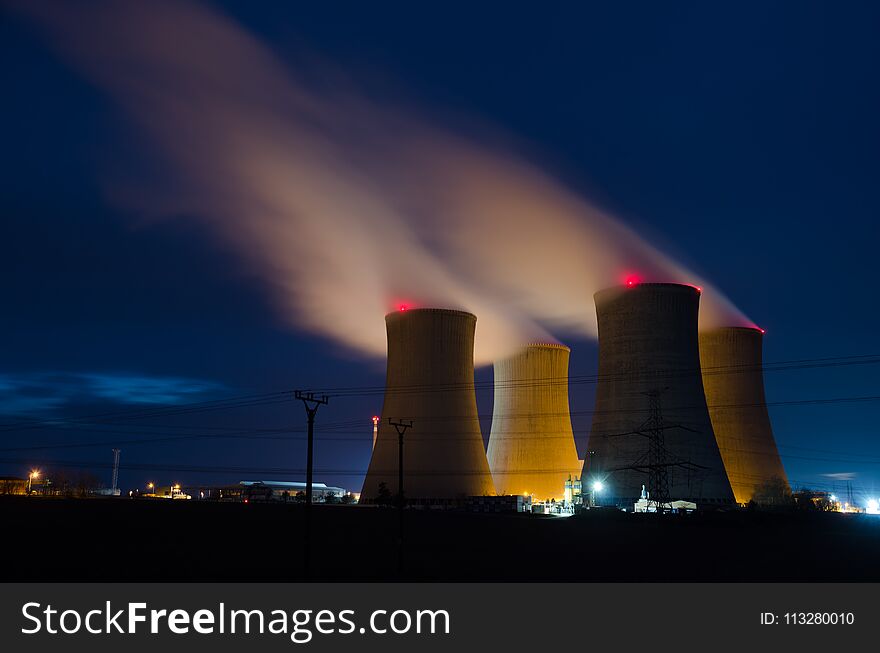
(375, 420)
(762, 330)
(833, 499)
(873, 507)
(699, 289)
(598, 486)
(403, 307)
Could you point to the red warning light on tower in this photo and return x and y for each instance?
(403, 307)
(375, 420)
(631, 280)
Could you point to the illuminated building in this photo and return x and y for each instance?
(13, 485)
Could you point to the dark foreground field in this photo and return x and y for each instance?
(129, 540)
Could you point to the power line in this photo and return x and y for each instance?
(354, 422)
(841, 361)
(282, 396)
(441, 434)
(264, 399)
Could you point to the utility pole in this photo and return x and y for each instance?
(311, 404)
(400, 426)
(115, 480)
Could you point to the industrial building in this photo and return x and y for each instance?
(13, 485)
(430, 381)
(531, 445)
(256, 491)
(275, 490)
(732, 366)
(651, 425)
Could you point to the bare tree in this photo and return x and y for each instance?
(84, 484)
(773, 492)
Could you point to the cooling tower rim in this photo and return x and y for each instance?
(726, 329)
(443, 311)
(547, 345)
(616, 291)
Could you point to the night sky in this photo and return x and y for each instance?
(742, 139)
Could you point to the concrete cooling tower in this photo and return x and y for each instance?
(430, 380)
(649, 382)
(731, 359)
(531, 446)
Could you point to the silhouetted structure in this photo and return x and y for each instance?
(648, 342)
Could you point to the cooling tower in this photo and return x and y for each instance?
(648, 345)
(531, 446)
(731, 359)
(430, 380)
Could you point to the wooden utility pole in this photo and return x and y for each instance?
(311, 404)
(400, 426)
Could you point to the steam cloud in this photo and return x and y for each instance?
(344, 206)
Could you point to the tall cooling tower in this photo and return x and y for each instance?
(648, 345)
(531, 447)
(430, 380)
(731, 358)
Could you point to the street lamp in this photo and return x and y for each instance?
(150, 486)
(35, 473)
(597, 486)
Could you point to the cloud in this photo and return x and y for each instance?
(44, 392)
(344, 204)
(841, 476)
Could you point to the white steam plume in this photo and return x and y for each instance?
(344, 206)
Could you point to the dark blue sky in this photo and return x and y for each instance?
(744, 140)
